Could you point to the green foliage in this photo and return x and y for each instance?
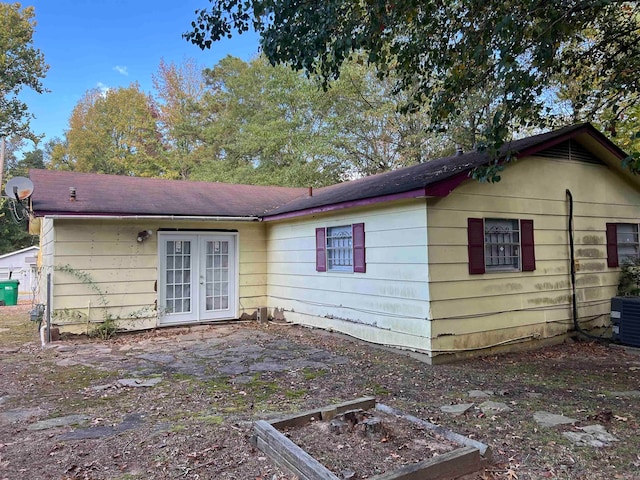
(14, 227)
(109, 325)
(113, 132)
(629, 284)
(271, 125)
(179, 100)
(266, 127)
(444, 53)
(14, 235)
(108, 328)
(252, 122)
(21, 65)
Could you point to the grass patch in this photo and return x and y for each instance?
(211, 419)
(309, 374)
(379, 390)
(293, 394)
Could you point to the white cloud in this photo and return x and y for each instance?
(121, 70)
(103, 88)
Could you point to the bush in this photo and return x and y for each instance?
(629, 284)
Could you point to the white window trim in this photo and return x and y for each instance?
(635, 242)
(489, 268)
(329, 249)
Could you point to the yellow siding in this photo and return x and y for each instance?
(45, 257)
(389, 304)
(475, 311)
(125, 271)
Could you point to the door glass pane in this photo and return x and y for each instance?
(178, 275)
(217, 275)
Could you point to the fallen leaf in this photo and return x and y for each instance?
(511, 474)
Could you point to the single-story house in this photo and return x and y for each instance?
(21, 265)
(423, 258)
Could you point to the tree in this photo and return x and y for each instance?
(57, 153)
(21, 65)
(366, 123)
(445, 52)
(269, 124)
(114, 132)
(32, 159)
(179, 90)
(14, 233)
(265, 126)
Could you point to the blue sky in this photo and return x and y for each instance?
(112, 43)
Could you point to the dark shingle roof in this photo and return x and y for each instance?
(428, 174)
(110, 194)
(99, 194)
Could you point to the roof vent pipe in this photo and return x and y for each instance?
(72, 194)
(459, 150)
(311, 191)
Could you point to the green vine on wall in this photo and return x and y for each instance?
(86, 279)
(108, 328)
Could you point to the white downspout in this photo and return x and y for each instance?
(42, 340)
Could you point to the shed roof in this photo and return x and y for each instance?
(17, 252)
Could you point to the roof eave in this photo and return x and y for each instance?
(57, 215)
(417, 193)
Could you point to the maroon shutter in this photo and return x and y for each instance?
(527, 246)
(475, 234)
(321, 250)
(612, 245)
(359, 261)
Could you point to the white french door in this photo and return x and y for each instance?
(198, 279)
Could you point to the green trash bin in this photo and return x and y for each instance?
(9, 292)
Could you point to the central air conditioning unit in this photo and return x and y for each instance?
(625, 318)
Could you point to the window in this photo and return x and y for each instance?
(496, 245)
(340, 249)
(622, 243)
(501, 244)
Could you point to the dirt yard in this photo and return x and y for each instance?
(178, 403)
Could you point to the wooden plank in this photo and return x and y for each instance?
(363, 403)
(484, 449)
(287, 454)
(447, 465)
(278, 459)
(297, 420)
(302, 418)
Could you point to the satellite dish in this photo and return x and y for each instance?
(20, 187)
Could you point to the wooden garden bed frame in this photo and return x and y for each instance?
(470, 457)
